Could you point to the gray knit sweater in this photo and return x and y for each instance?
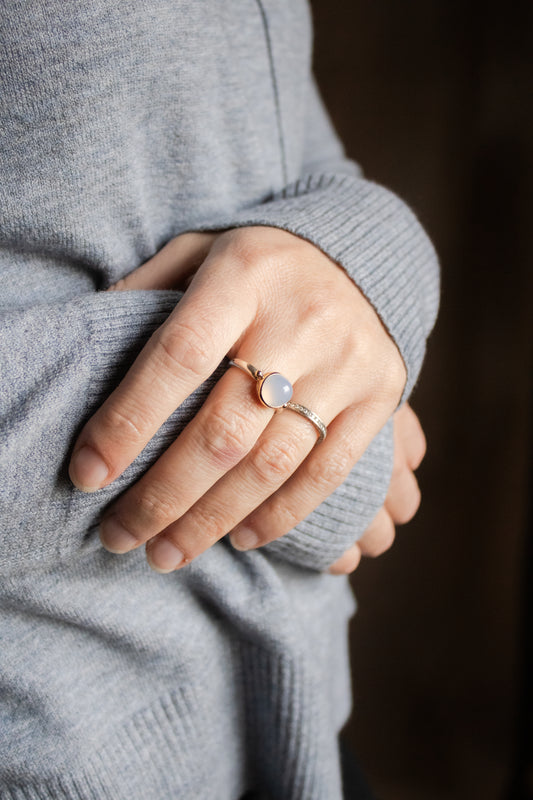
(121, 126)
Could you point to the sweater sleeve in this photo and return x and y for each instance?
(377, 239)
(364, 228)
(59, 361)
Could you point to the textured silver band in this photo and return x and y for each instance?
(311, 416)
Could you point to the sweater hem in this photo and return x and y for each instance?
(154, 754)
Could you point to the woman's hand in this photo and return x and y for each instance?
(269, 297)
(403, 497)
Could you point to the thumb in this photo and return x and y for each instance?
(173, 266)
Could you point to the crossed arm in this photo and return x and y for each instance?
(332, 282)
(270, 297)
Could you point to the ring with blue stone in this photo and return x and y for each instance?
(275, 391)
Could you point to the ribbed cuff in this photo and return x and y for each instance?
(119, 324)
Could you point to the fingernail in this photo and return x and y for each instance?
(163, 556)
(243, 538)
(87, 470)
(115, 537)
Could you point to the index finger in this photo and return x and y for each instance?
(178, 358)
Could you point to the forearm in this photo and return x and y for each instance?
(58, 363)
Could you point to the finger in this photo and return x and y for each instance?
(379, 536)
(222, 432)
(348, 562)
(215, 440)
(278, 452)
(172, 266)
(404, 496)
(178, 358)
(326, 467)
(409, 438)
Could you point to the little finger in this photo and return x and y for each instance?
(403, 498)
(379, 536)
(348, 562)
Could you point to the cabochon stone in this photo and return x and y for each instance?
(276, 390)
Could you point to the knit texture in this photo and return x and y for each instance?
(124, 125)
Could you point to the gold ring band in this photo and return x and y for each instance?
(275, 391)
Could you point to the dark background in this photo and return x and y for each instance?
(434, 100)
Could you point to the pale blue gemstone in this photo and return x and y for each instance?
(276, 390)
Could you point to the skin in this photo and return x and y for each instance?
(403, 496)
(269, 297)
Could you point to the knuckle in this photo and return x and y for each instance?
(419, 448)
(388, 377)
(273, 460)
(319, 307)
(380, 535)
(396, 376)
(322, 313)
(283, 517)
(226, 436)
(385, 535)
(186, 347)
(331, 470)
(399, 478)
(157, 509)
(409, 505)
(410, 435)
(347, 563)
(124, 427)
(247, 247)
(422, 450)
(360, 344)
(207, 524)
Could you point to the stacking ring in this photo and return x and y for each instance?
(275, 391)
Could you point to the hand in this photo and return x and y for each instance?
(403, 497)
(275, 300)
